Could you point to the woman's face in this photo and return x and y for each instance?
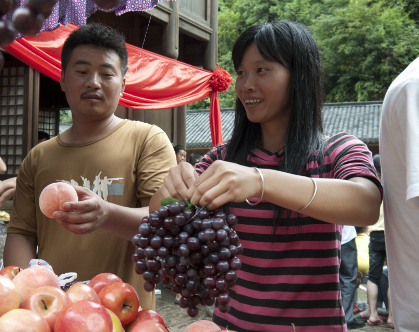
(263, 87)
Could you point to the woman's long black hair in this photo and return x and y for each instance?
(293, 46)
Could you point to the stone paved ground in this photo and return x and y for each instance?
(177, 318)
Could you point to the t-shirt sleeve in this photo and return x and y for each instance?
(406, 108)
(156, 158)
(23, 216)
(349, 158)
(216, 153)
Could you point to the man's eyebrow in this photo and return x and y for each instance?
(84, 62)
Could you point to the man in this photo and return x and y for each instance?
(43, 136)
(399, 152)
(131, 156)
(180, 152)
(348, 272)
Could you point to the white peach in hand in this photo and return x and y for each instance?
(54, 196)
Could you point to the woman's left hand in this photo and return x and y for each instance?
(225, 182)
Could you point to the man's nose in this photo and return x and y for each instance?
(93, 81)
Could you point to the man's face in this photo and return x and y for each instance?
(180, 156)
(93, 82)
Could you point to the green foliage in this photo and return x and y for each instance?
(65, 116)
(365, 44)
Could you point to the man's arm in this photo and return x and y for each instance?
(7, 190)
(19, 250)
(3, 167)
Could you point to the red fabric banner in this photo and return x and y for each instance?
(152, 82)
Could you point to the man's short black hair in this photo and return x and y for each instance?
(43, 135)
(179, 148)
(99, 35)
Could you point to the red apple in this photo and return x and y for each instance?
(9, 295)
(146, 314)
(103, 279)
(80, 291)
(48, 302)
(116, 323)
(202, 326)
(122, 299)
(10, 271)
(84, 316)
(149, 326)
(23, 320)
(32, 278)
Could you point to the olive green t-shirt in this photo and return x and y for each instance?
(123, 167)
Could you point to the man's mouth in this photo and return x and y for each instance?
(252, 101)
(92, 96)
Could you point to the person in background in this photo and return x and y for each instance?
(180, 152)
(7, 187)
(377, 255)
(43, 136)
(399, 152)
(126, 160)
(348, 272)
(362, 242)
(195, 158)
(291, 187)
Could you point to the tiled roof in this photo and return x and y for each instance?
(361, 119)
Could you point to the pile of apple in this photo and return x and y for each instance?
(32, 300)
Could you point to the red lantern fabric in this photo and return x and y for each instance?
(152, 82)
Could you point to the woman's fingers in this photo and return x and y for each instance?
(177, 183)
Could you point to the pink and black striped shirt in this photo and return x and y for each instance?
(292, 278)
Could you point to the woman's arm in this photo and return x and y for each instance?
(347, 202)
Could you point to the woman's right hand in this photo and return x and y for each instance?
(178, 181)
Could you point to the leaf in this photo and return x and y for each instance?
(189, 206)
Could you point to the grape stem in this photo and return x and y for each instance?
(293, 327)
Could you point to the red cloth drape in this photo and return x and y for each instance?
(152, 82)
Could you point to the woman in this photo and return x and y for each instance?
(304, 186)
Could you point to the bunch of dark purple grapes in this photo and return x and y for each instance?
(197, 255)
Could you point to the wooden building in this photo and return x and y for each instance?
(185, 30)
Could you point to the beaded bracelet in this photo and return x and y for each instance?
(263, 189)
(314, 195)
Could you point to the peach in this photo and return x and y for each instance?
(32, 278)
(54, 196)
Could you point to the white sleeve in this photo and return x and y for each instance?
(407, 105)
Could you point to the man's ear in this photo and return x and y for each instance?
(123, 87)
(62, 81)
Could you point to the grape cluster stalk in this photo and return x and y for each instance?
(197, 255)
(28, 20)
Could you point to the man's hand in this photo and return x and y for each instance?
(85, 216)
